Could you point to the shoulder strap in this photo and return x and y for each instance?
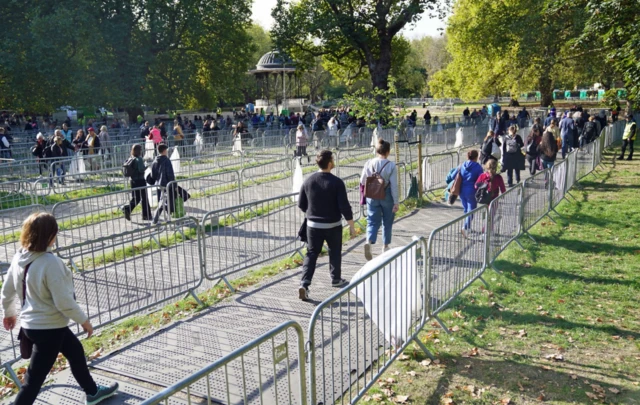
(24, 284)
(382, 168)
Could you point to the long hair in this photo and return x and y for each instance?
(548, 145)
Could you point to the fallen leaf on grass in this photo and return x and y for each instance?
(574, 377)
(541, 397)
(555, 357)
(412, 373)
(615, 337)
(526, 265)
(506, 401)
(455, 328)
(521, 293)
(403, 357)
(425, 363)
(614, 390)
(522, 333)
(400, 399)
(591, 395)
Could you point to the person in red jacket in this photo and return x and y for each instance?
(490, 175)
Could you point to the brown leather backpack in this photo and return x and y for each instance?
(374, 186)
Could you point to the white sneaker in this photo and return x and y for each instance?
(367, 251)
(303, 293)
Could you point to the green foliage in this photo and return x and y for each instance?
(373, 105)
(611, 99)
(123, 53)
(354, 37)
(516, 46)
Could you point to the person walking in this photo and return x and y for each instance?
(155, 135)
(531, 149)
(92, 149)
(5, 145)
(42, 285)
(162, 174)
(381, 212)
(178, 135)
(548, 150)
(493, 178)
(301, 142)
(630, 133)
(470, 171)
(512, 158)
(138, 184)
(567, 129)
(487, 147)
(323, 198)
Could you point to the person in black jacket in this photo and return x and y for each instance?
(162, 174)
(487, 147)
(138, 184)
(512, 157)
(323, 197)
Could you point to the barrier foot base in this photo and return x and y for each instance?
(570, 195)
(484, 281)
(442, 324)
(494, 268)
(12, 375)
(297, 252)
(233, 290)
(550, 217)
(424, 348)
(195, 297)
(530, 237)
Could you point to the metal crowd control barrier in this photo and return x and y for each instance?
(536, 200)
(210, 193)
(15, 194)
(98, 217)
(118, 275)
(456, 257)
(262, 371)
(558, 183)
(504, 221)
(436, 168)
(355, 334)
(239, 237)
(10, 226)
(266, 180)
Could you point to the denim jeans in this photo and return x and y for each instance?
(566, 145)
(546, 165)
(380, 212)
(469, 204)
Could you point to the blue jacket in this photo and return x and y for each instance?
(470, 172)
(566, 127)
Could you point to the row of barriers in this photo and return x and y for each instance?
(357, 333)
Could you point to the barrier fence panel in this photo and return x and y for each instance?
(243, 236)
(535, 204)
(355, 334)
(559, 174)
(11, 224)
(213, 161)
(118, 275)
(267, 180)
(436, 168)
(504, 221)
(209, 193)
(585, 160)
(268, 370)
(572, 160)
(16, 193)
(97, 217)
(456, 257)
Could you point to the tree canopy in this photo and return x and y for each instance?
(123, 53)
(356, 36)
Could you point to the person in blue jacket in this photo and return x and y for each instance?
(470, 171)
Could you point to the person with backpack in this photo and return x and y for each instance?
(323, 198)
(379, 185)
(628, 137)
(134, 169)
(567, 128)
(41, 285)
(589, 132)
(512, 157)
(161, 175)
(490, 184)
(531, 149)
(469, 172)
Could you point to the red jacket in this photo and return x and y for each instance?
(497, 184)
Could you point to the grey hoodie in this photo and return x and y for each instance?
(50, 299)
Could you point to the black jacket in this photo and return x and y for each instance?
(162, 171)
(513, 160)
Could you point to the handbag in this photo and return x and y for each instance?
(178, 211)
(495, 150)
(26, 344)
(302, 232)
(363, 199)
(456, 187)
(374, 186)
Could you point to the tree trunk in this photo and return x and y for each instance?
(545, 85)
(379, 68)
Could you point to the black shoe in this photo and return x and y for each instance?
(629, 158)
(303, 293)
(620, 158)
(339, 283)
(127, 213)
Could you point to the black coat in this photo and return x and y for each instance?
(513, 160)
(487, 147)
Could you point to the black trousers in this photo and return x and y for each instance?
(315, 240)
(510, 176)
(140, 197)
(533, 166)
(47, 344)
(626, 143)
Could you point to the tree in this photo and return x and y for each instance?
(358, 34)
(515, 45)
(615, 24)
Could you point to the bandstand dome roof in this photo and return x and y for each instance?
(274, 62)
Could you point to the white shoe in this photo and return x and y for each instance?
(303, 293)
(367, 251)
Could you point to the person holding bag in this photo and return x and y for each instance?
(379, 182)
(533, 157)
(43, 285)
(512, 157)
(490, 148)
(464, 186)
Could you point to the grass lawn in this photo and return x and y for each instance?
(560, 325)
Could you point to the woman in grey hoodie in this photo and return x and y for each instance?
(42, 285)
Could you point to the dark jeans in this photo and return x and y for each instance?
(139, 197)
(533, 165)
(510, 176)
(624, 148)
(315, 239)
(47, 344)
(301, 151)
